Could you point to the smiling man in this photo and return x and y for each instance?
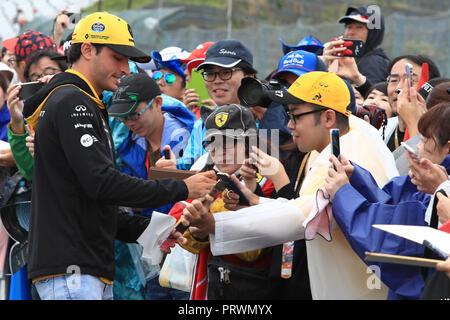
(75, 216)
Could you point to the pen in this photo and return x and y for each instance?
(435, 249)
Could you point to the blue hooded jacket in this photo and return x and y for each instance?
(360, 204)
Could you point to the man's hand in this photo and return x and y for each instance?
(196, 214)
(231, 199)
(200, 184)
(443, 208)
(336, 177)
(62, 21)
(270, 167)
(426, 175)
(248, 174)
(30, 144)
(167, 163)
(410, 106)
(444, 266)
(15, 107)
(179, 238)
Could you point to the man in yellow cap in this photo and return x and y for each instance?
(76, 189)
(317, 102)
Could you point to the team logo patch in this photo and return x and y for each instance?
(86, 140)
(221, 118)
(98, 27)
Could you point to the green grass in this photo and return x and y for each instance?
(120, 5)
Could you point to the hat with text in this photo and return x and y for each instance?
(232, 120)
(325, 89)
(227, 54)
(110, 30)
(299, 62)
(134, 88)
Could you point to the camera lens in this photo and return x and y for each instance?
(251, 91)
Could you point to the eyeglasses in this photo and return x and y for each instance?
(294, 117)
(395, 78)
(133, 116)
(47, 72)
(169, 78)
(11, 62)
(224, 74)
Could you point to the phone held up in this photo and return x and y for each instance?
(409, 73)
(29, 88)
(414, 153)
(334, 141)
(355, 48)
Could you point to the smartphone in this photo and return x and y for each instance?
(414, 153)
(198, 83)
(334, 141)
(356, 48)
(230, 185)
(166, 154)
(29, 89)
(409, 73)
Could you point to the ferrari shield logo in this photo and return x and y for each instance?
(221, 118)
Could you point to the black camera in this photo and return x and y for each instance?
(253, 92)
(377, 116)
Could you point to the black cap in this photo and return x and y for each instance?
(134, 88)
(232, 120)
(358, 14)
(227, 54)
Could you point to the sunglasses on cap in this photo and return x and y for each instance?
(169, 78)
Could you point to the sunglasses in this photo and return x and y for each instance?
(169, 78)
(134, 116)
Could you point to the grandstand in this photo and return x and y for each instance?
(33, 9)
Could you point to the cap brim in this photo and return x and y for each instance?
(345, 19)
(132, 53)
(121, 109)
(283, 97)
(223, 62)
(10, 44)
(295, 70)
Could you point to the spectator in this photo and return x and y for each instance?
(9, 74)
(169, 72)
(43, 63)
(26, 44)
(227, 62)
(358, 203)
(372, 67)
(74, 140)
(377, 96)
(317, 101)
(396, 74)
(231, 131)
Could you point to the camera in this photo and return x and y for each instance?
(377, 116)
(253, 92)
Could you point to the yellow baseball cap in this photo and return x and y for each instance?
(110, 30)
(325, 89)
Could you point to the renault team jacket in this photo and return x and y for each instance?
(76, 188)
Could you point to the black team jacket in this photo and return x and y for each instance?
(76, 188)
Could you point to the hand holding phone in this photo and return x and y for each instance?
(334, 141)
(230, 185)
(29, 88)
(355, 48)
(414, 153)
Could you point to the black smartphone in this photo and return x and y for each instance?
(230, 185)
(357, 48)
(334, 141)
(29, 89)
(166, 154)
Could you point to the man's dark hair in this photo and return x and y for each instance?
(435, 124)
(38, 55)
(439, 93)
(247, 68)
(418, 59)
(74, 52)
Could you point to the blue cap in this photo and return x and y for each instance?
(310, 44)
(172, 63)
(299, 62)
